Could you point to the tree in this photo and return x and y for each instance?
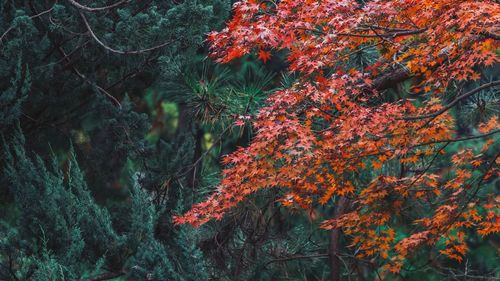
(56, 230)
(367, 136)
(77, 77)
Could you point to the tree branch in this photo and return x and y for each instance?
(31, 17)
(134, 52)
(458, 139)
(341, 207)
(85, 79)
(454, 102)
(388, 34)
(390, 79)
(492, 35)
(97, 9)
(298, 257)
(391, 33)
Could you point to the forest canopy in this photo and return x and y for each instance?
(249, 140)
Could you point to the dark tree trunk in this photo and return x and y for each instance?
(391, 79)
(185, 121)
(335, 235)
(193, 176)
(187, 125)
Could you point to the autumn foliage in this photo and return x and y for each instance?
(314, 138)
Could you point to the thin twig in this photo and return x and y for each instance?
(438, 152)
(208, 150)
(31, 17)
(84, 78)
(298, 257)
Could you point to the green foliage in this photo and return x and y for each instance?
(57, 216)
(58, 231)
(106, 215)
(12, 98)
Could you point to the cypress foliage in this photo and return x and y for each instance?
(56, 231)
(14, 95)
(102, 216)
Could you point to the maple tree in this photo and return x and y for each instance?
(314, 138)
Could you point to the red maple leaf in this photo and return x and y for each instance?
(264, 55)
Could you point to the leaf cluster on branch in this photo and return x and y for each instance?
(314, 138)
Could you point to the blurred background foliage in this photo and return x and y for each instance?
(112, 119)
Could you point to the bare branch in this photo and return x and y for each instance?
(369, 27)
(428, 143)
(135, 52)
(389, 34)
(385, 35)
(458, 139)
(31, 17)
(299, 257)
(84, 78)
(492, 35)
(454, 102)
(389, 80)
(97, 9)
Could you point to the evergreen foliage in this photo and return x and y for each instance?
(99, 218)
(56, 231)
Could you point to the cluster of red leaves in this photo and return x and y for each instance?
(435, 42)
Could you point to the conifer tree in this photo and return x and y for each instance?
(75, 77)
